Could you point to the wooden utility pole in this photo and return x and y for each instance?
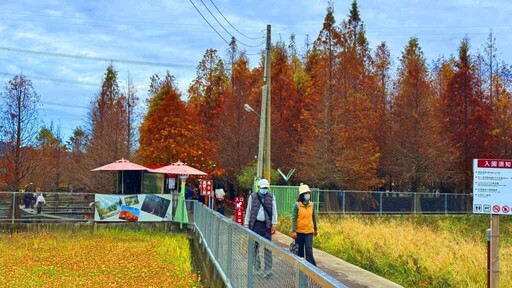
(268, 94)
(263, 169)
(495, 248)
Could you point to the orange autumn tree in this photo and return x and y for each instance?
(416, 148)
(239, 129)
(286, 110)
(206, 98)
(466, 119)
(170, 131)
(340, 142)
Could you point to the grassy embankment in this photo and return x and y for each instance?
(104, 259)
(416, 251)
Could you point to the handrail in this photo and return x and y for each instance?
(214, 228)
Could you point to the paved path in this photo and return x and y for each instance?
(43, 215)
(346, 273)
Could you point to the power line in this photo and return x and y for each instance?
(208, 22)
(64, 105)
(252, 46)
(252, 38)
(53, 80)
(94, 58)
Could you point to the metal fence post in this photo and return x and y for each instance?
(250, 260)
(445, 203)
(343, 197)
(414, 199)
(210, 230)
(217, 238)
(13, 205)
(230, 251)
(380, 203)
(297, 275)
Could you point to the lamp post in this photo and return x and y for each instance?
(248, 108)
(261, 140)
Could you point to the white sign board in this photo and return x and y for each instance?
(492, 186)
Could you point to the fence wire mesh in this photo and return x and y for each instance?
(375, 202)
(60, 207)
(245, 259)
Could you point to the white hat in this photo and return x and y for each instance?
(263, 183)
(304, 189)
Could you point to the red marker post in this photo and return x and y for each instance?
(239, 210)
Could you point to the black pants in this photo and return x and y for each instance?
(39, 209)
(260, 228)
(305, 242)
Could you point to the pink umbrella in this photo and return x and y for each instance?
(121, 165)
(178, 168)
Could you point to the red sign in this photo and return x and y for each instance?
(206, 187)
(494, 163)
(505, 209)
(239, 210)
(496, 208)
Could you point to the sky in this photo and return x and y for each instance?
(142, 38)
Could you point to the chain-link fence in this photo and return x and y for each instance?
(375, 202)
(245, 259)
(59, 207)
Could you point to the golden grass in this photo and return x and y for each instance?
(105, 259)
(415, 251)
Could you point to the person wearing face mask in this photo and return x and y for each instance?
(304, 223)
(261, 217)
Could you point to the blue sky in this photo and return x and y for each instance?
(174, 35)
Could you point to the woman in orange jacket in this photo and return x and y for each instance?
(304, 223)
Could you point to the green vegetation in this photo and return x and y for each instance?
(415, 250)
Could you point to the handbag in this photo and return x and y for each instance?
(294, 247)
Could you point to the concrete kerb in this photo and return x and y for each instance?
(348, 274)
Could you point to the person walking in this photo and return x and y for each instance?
(40, 202)
(261, 217)
(304, 225)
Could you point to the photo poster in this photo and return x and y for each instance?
(133, 208)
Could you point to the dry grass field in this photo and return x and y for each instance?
(416, 251)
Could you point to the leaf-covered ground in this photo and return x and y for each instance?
(104, 259)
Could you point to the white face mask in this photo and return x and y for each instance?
(307, 197)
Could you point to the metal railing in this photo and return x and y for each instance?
(244, 259)
(375, 202)
(60, 207)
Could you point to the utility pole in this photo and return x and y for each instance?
(268, 94)
(263, 169)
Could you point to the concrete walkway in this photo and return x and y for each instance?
(346, 273)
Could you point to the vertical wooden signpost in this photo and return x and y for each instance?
(492, 195)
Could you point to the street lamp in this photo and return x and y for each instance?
(261, 141)
(248, 108)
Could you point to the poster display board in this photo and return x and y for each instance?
(492, 186)
(133, 208)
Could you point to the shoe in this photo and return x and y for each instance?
(268, 274)
(256, 272)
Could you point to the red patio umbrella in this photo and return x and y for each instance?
(178, 168)
(121, 165)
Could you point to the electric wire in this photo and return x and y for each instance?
(252, 38)
(204, 18)
(207, 21)
(11, 49)
(209, 11)
(53, 80)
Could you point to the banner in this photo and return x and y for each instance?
(133, 208)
